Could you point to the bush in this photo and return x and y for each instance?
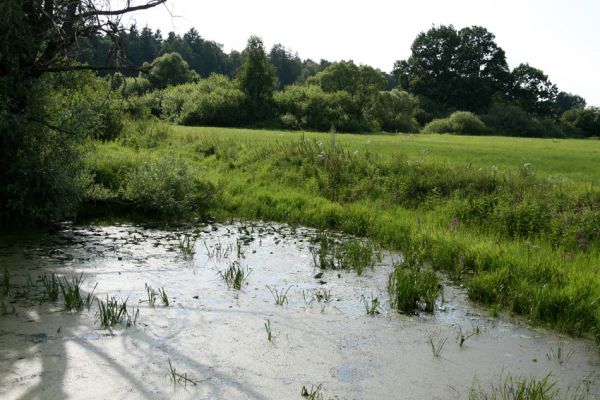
(216, 101)
(309, 107)
(460, 122)
(585, 122)
(393, 111)
(143, 134)
(165, 188)
(511, 120)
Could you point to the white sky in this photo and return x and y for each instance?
(561, 37)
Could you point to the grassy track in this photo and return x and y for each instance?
(521, 241)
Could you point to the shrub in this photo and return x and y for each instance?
(309, 107)
(504, 119)
(165, 187)
(216, 100)
(412, 287)
(460, 122)
(144, 134)
(585, 122)
(393, 111)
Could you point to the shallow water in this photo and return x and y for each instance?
(217, 335)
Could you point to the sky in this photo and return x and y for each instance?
(560, 37)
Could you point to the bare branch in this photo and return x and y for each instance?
(108, 13)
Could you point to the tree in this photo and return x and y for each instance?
(532, 90)
(456, 69)
(257, 79)
(567, 101)
(167, 70)
(586, 122)
(40, 135)
(287, 64)
(361, 82)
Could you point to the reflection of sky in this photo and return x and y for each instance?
(559, 37)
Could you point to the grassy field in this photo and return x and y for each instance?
(523, 239)
(572, 159)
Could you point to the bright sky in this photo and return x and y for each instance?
(558, 36)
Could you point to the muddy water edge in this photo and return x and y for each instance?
(209, 340)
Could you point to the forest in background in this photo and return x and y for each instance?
(455, 81)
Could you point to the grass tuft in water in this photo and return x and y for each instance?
(5, 286)
(71, 291)
(279, 295)
(268, 330)
(163, 297)
(314, 393)
(114, 312)
(437, 345)
(180, 378)
(349, 254)
(186, 245)
(51, 287)
(235, 276)
(519, 388)
(372, 305)
(413, 288)
(560, 354)
(151, 293)
(464, 336)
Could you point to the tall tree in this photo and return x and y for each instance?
(167, 70)
(287, 64)
(567, 101)
(455, 69)
(257, 79)
(38, 158)
(532, 90)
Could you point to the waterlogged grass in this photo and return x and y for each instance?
(350, 254)
(235, 276)
(412, 287)
(512, 387)
(516, 219)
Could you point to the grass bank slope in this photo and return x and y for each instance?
(517, 219)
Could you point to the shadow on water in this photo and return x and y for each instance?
(41, 346)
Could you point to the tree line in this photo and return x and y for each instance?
(455, 81)
(70, 73)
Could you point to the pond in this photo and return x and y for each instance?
(215, 342)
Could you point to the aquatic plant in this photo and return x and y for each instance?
(235, 276)
(348, 254)
(177, 377)
(218, 252)
(314, 393)
(372, 305)
(412, 287)
(71, 292)
(520, 388)
(323, 295)
(51, 286)
(5, 286)
(560, 354)
(464, 336)
(114, 312)
(437, 345)
(163, 297)
(186, 245)
(151, 294)
(268, 330)
(280, 296)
